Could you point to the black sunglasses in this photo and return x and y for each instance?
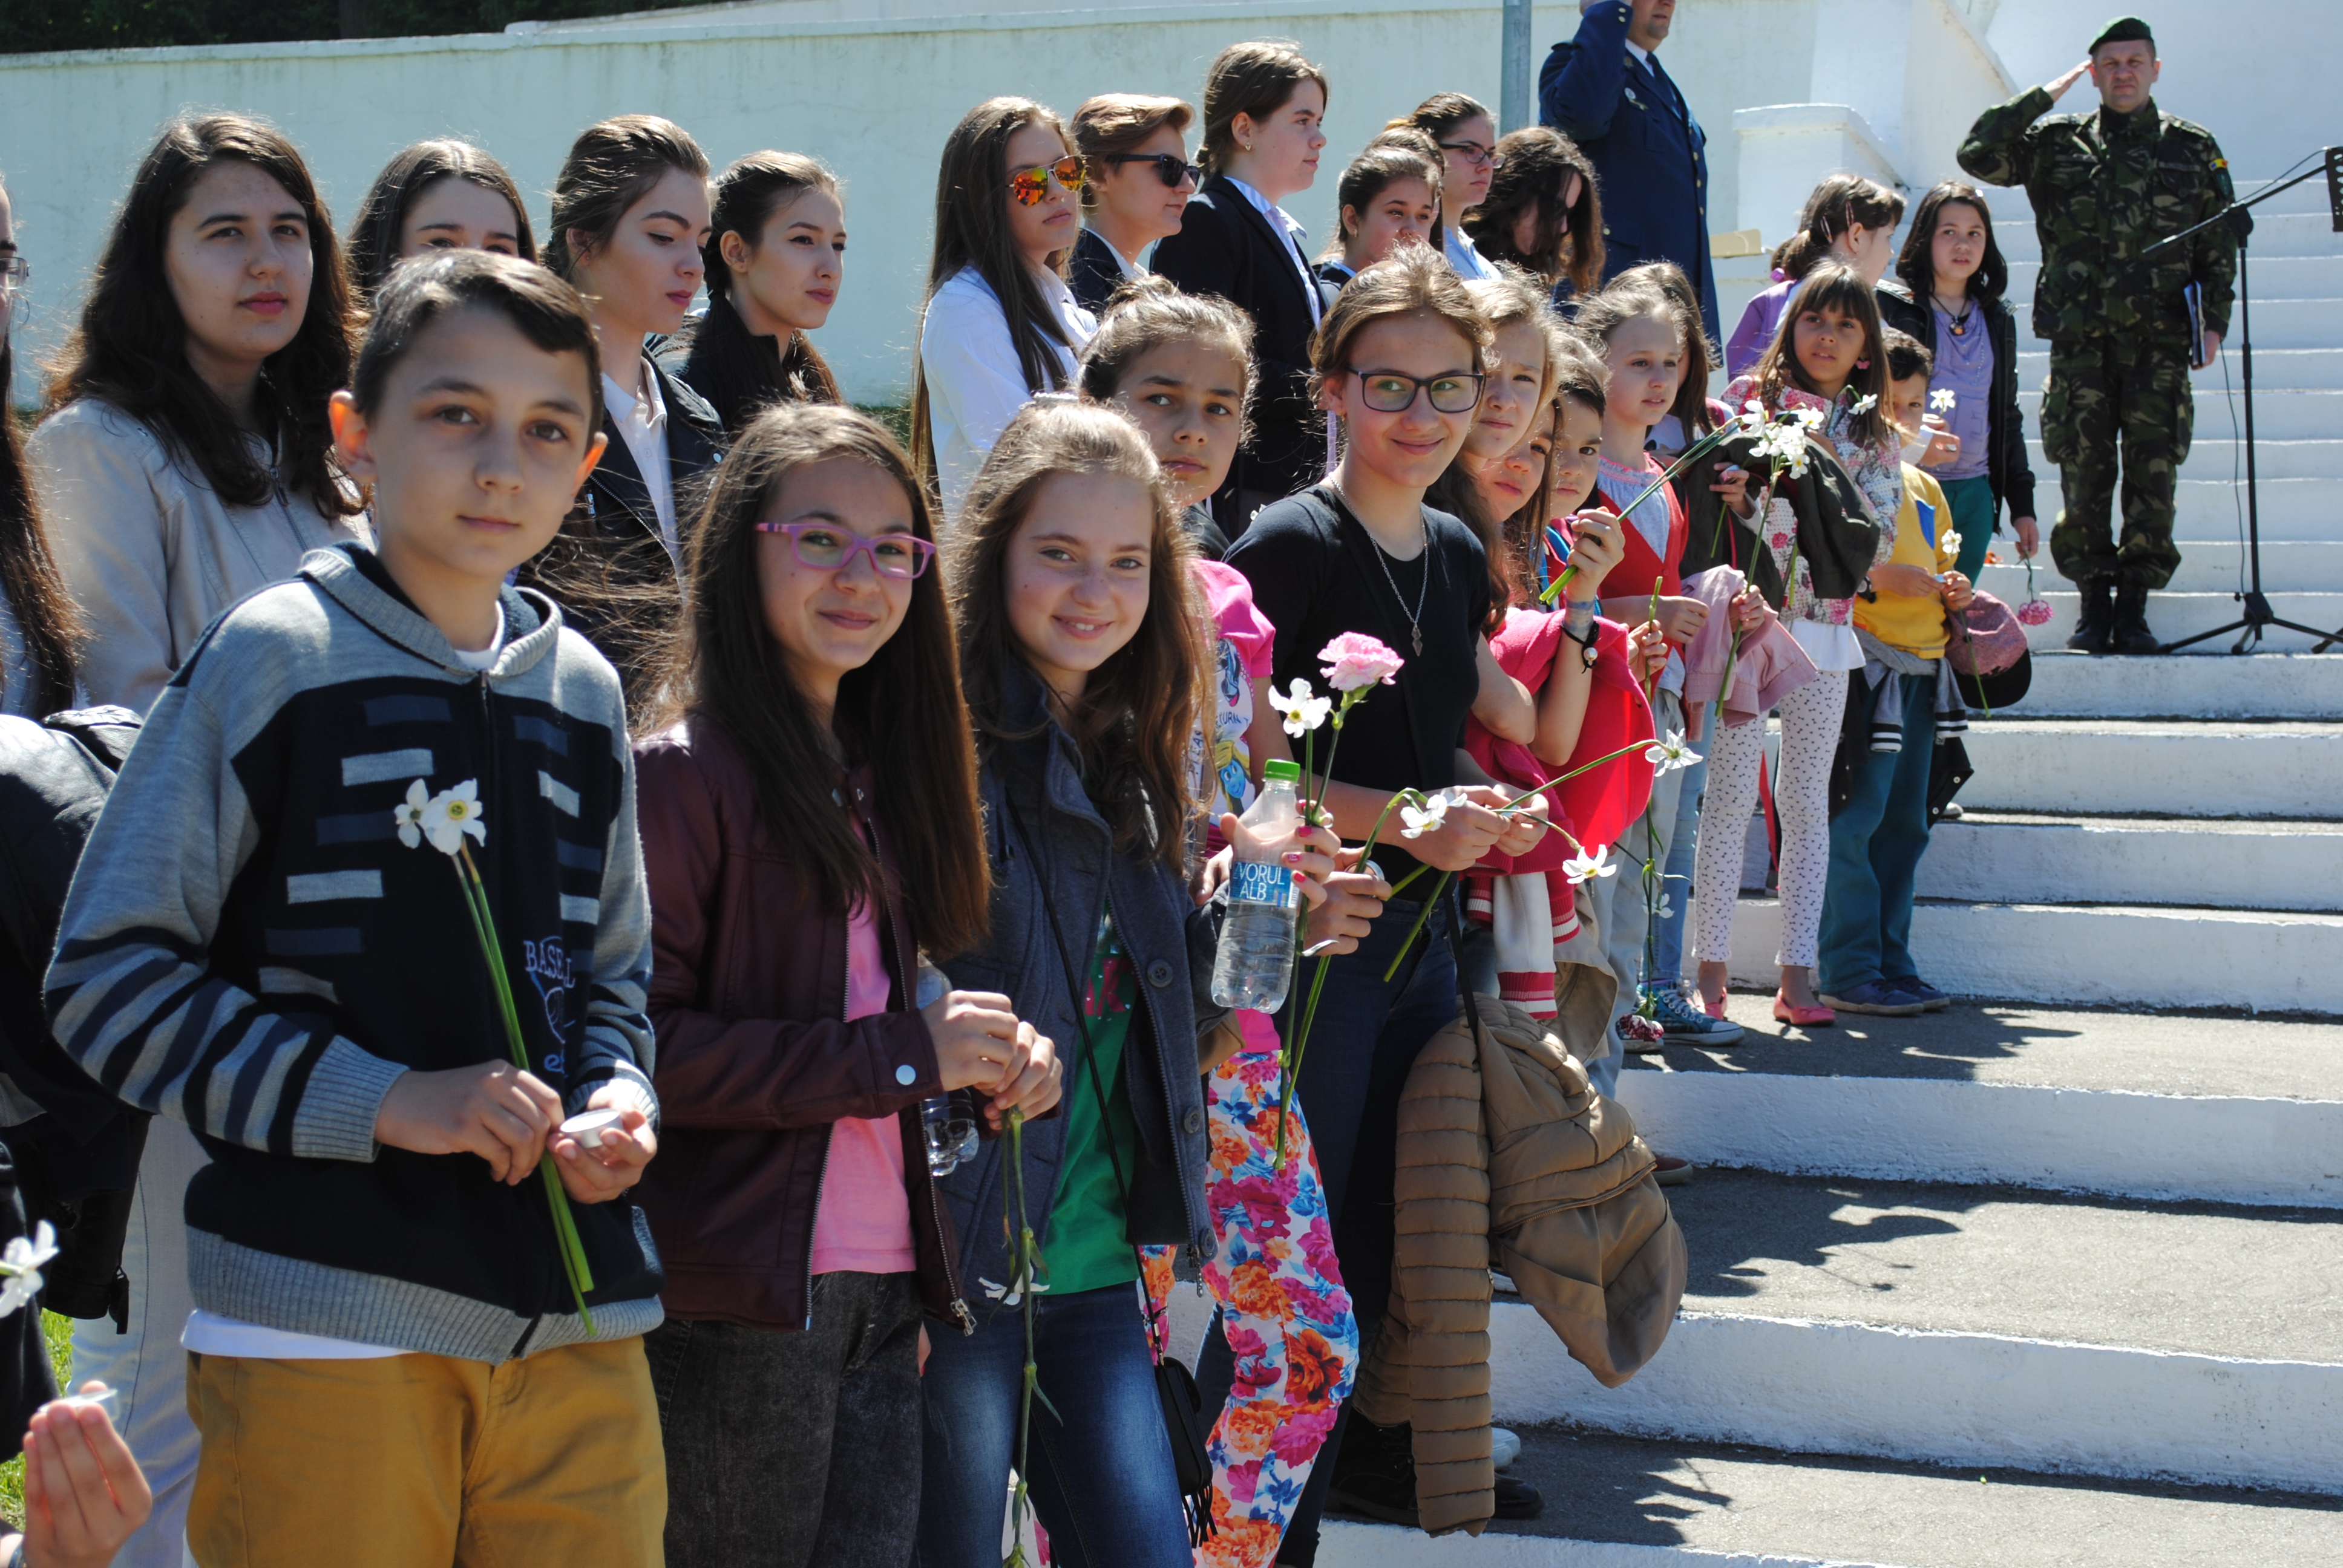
(1169, 167)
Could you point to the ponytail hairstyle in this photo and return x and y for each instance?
(1833, 208)
(1832, 287)
(900, 713)
(1139, 707)
(1148, 312)
(612, 166)
(1538, 162)
(1387, 160)
(738, 371)
(382, 216)
(1700, 355)
(1508, 298)
(972, 231)
(1255, 79)
(1915, 264)
(46, 616)
(130, 348)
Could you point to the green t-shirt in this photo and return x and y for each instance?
(1088, 1248)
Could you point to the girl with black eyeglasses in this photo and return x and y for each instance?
(999, 324)
(1466, 135)
(1135, 150)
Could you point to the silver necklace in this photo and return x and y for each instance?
(1424, 590)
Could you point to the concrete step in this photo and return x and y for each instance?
(2102, 955)
(2121, 1102)
(2299, 232)
(2214, 563)
(2210, 503)
(2175, 616)
(1616, 1502)
(2184, 685)
(2144, 766)
(1969, 1325)
(2309, 321)
(2275, 369)
(2280, 413)
(2214, 455)
(2273, 276)
(2052, 859)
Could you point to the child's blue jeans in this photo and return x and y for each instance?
(1876, 844)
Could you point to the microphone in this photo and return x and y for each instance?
(2335, 187)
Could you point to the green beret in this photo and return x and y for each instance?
(2124, 30)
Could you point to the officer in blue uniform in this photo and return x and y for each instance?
(1604, 90)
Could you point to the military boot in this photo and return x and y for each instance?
(2131, 634)
(2094, 628)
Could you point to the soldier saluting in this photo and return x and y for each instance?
(2105, 187)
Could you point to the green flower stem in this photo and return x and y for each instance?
(1021, 1280)
(1691, 454)
(565, 1225)
(1421, 915)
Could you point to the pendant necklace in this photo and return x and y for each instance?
(1960, 323)
(1415, 616)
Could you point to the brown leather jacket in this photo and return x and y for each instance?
(755, 1058)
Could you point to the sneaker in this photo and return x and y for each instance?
(1679, 1019)
(1670, 1171)
(1879, 997)
(1518, 1499)
(1933, 999)
(1951, 813)
(1505, 1446)
(1641, 1036)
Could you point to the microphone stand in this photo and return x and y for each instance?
(2257, 616)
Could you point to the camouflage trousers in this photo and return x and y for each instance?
(2102, 392)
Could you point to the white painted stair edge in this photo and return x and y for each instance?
(1945, 1398)
(2117, 956)
(2285, 1153)
(1348, 1544)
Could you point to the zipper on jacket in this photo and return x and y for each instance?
(1164, 1071)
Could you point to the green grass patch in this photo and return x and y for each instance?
(59, 1332)
(896, 416)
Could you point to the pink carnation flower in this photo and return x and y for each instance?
(1355, 660)
(2034, 613)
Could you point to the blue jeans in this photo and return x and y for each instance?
(1103, 1480)
(1974, 512)
(1876, 844)
(1667, 966)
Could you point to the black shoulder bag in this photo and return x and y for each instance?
(1184, 1426)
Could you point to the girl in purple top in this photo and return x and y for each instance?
(1847, 218)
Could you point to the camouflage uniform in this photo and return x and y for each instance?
(2105, 187)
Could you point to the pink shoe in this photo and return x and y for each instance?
(1785, 1011)
(1714, 1007)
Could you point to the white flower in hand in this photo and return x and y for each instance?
(1005, 1295)
(1666, 910)
(451, 814)
(1753, 418)
(1864, 403)
(1812, 418)
(21, 1263)
(1948, 539)
(1584, 867)
(1300, 711)
(410, 812)
(1416, 823)
(1943, 400)
(1672, 753)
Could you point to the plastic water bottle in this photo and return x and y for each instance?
(1255, 963)
(946, 1125)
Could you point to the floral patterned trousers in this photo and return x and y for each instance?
(1283, 1305)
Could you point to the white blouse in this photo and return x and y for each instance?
(975, 385)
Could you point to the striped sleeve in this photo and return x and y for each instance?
(619, 1043)
(132, 995)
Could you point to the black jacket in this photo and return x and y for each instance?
(1837, 538)
(2007, 467)
(76, 1162)
(1092, 272)
(1227, 247)
(608, 568)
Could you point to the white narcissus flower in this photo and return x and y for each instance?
(1585, 868)
(21, 1262)
(1416, 823)
(1949, 540)
(1666, 910)
(1943, 400)
(409, 813)
(1812, 418)
(1669, 754)
(1299, 711)
(1864, 403)
(1006, 1296)
(451, 814)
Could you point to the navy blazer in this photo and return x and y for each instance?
(1092, 272)
(1649, 153)
(1227, 247)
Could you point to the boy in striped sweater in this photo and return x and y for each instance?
(387, 1364)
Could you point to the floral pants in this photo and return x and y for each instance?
(1282, 1306)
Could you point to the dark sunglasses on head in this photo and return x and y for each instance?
(1028, 187)
(1169, 167)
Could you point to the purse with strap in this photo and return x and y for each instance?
(1184, 1426)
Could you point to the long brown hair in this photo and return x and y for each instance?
(900, 713)
(972, 232)
(1505, 299)
(1538, 162)
(1700, 355)
(611, 165)
(46, 616)
(1148, 312)
(1832, 208)
(1382, 165)
(374, 231)
(130, 348)
(1832, 287)
(1139, 708)
(738, 371)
